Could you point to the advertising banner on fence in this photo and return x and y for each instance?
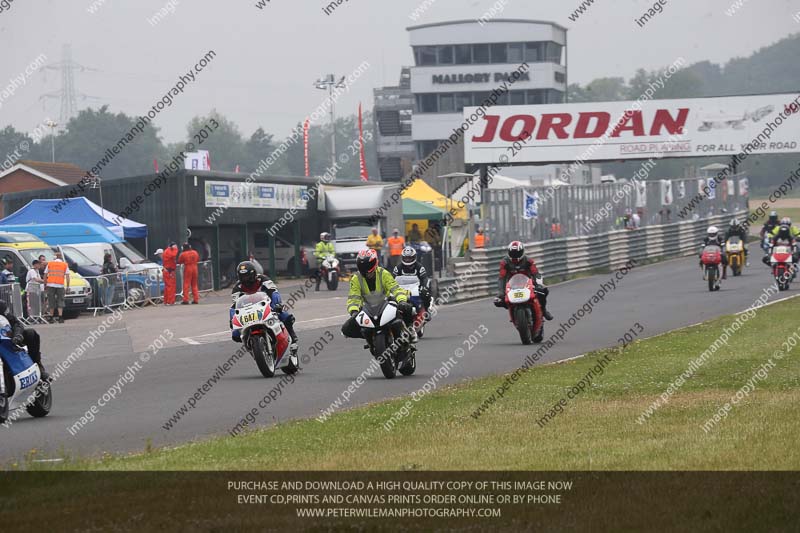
(255, 195)
(598, 131)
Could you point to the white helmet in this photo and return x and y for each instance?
(324, 236)
(712, 231)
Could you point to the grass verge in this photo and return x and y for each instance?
(598, 430)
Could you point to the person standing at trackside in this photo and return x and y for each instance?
(323, 249)
(432, 235)
(170, 258)
(396, 243)
(189, 259)
(42, 265)
(480, 239)
(57, 279)
(159, 257)
(110, 274)
(375, 242)
(7, 274)
(555, 229)
(414, 236)
(32, 278)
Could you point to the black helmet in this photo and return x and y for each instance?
(409, 256)
(367, 261)
(773, 217)
(515, 251)
(246, 272)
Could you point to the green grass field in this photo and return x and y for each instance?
(596, 431)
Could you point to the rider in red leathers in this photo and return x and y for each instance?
(518, 263)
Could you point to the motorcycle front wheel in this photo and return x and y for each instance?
(333, 283)
(42, 402)
(522, 319)
(383, 356)
(711, 275)
(265, 360)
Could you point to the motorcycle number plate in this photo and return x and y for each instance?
(248, 315)
(518, 294)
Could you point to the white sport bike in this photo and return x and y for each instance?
(264, 335)
(329, 270)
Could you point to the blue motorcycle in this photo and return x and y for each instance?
(21, 382)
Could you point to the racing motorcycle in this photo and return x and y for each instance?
(412, 286)
(523, 308)
(264, 335)
(782, 264)
(329, 270)
(735, 249)
(711, 258)
(382, 327)
(21, 382)
(766, 243)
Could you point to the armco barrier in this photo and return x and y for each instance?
(575, 255)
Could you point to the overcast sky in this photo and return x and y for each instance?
(267, 60)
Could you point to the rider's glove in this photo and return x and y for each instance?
(354, 312)
(18, 340)
(277, 308)
(404, 307)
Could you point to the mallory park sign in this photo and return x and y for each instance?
(478, 77)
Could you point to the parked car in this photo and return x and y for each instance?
(23, 248)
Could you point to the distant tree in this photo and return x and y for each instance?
(224, 142)
(13, 145)
(89, 138)
(260, 147)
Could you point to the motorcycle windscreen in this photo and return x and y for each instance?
(374, 304)
(409, 283)
(250, 299)
(518, 281)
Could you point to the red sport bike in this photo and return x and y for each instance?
(711, 258)
(782, 264)
(523, 308)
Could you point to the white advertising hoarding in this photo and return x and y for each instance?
(255, 195)
(598, 131)
(199, 160)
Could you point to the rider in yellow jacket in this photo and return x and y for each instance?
(323, 249)
(370, 279)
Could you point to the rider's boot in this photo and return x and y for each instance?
(543, 305)
(290, 329)
(724, 271)
(319, 281)
(43, 372)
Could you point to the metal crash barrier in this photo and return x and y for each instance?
(35, 304)
(11, 294)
